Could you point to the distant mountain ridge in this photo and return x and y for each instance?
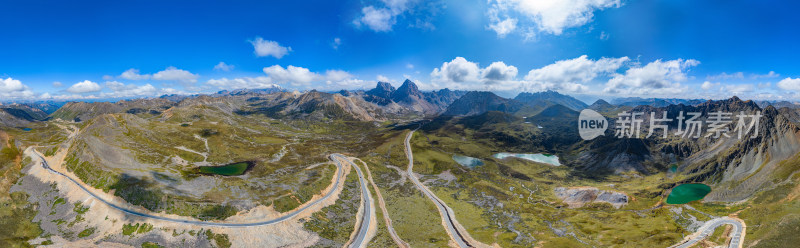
(547, 98)
(655, 102)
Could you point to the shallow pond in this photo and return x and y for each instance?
(467, 161)
(535, 157)
(234, 169)
(686, 193)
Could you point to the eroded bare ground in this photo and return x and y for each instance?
(105, 226)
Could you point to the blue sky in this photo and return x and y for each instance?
(605, 48)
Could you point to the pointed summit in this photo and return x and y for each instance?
(383, 89)
(406, 92)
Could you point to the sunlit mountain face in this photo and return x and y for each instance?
(402, 123)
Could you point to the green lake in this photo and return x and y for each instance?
(234, 169)
(535, 157)
(686, 193)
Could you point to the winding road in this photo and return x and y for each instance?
(447, 214)
(294, 213)
(737, 235)
(367, 209)
(382, 204)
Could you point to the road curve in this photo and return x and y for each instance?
(362, 239)
(447, 215)
(197, 222)
(737, 236)
(382, 204)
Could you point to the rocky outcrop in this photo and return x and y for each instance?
(547, 98)
(577, 197)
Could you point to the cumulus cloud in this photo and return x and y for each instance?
(120, 90)
(463, 74)
(133, 74)
(291, 74)
(571, 74)
(459, 70)
(336, 43)
(264, 48)
(223, 67)
(175, 74)
(550, 16)
(57, 84)
(656, 78)
(242, 83)
(14, 89)
(788, 83)
(499, 71)
(85, 86)
(303, 77)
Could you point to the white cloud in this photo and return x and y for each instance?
(85, 86)
(723, 76)
(57, 84)
(175, 74)
(242, 83)
(108, 77)
(382, 19)
(738, 89)
(120, 90)
(788, 83)
(291, 74)
(382, 78)
(504, 27)
(223, 67)
(14, 89)
(657, 78)
(708, 85)
(337, 75)
(574, 71)
(550, 16)
(771, 74)
(459, 70)
(377, 19)
(499, 71)
(604, 35)
(409, 66)
(463, 74)
(133, 74)
(741, 75)
(336, 43)
(265, 48)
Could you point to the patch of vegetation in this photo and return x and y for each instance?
(337, 221)
(16, 220)
(316, 180)
(221, 240)
(151, 245)
(130, 229)
(86, 232)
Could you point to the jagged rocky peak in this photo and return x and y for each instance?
(405, 91)
(383, 89)
(730, 104)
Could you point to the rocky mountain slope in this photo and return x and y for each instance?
(547, 98)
